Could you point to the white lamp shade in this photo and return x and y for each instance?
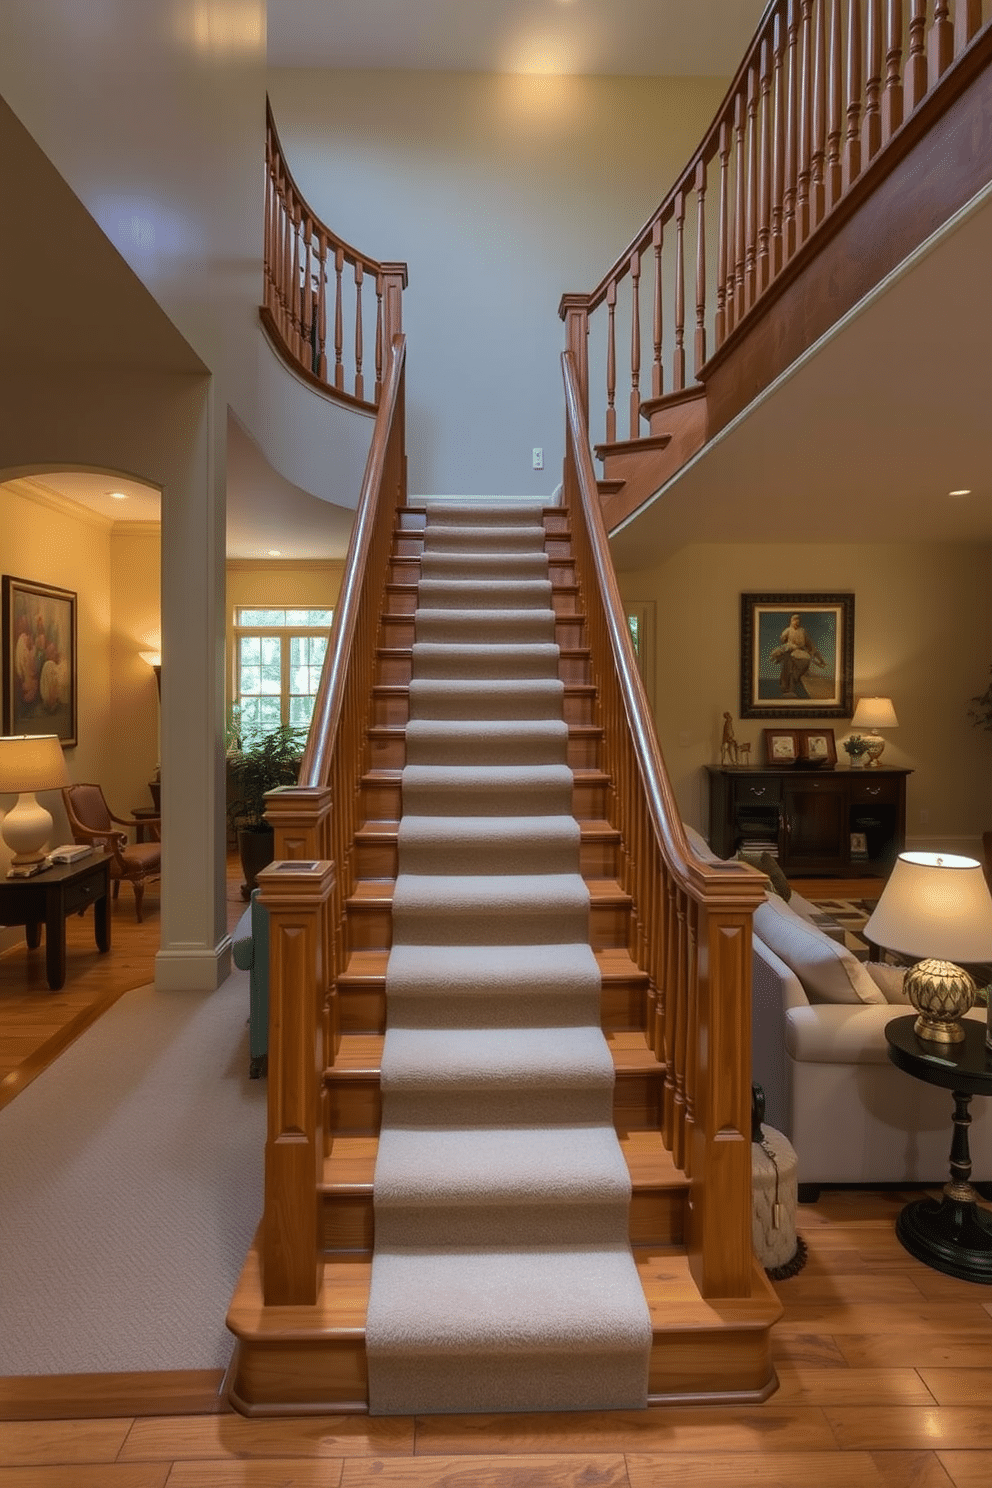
(935, 906)
(31, 762)
(874, 713)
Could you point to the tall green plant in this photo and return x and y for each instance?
(261, 763)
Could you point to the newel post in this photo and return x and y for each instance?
(394, 282)
(574, 311)
(719, 1222)
(296, 895)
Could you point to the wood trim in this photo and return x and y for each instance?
(54, 1397)
(282, 349)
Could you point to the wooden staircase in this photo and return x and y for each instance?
(310, 1357)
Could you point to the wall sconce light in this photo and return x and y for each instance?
(154, 660)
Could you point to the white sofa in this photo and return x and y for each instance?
(851, 1116)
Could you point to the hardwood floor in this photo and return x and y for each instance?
(885, 1366)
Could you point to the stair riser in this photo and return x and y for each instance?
(395, 669)
(392, 709)
(410, 544)
(405, 569)
(382, 800)
(402, 596)
(354, 1102)
(363, 1009)
(401, 631)
(387, 751)
(369, 927)
(657, 1218)
(378, 859)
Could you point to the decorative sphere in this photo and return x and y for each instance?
(941, 993)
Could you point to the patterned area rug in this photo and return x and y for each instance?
(843, 920)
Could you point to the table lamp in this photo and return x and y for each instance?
(871, 714)
(936, 906)
(29, 763)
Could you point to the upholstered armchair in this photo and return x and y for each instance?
(91, 821)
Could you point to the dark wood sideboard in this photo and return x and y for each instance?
(843, 823)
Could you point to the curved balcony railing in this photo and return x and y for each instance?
(331, 311)
(824, 90)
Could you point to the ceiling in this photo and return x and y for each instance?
(705, 38)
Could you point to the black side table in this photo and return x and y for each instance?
(49, 897)
(951, 1234)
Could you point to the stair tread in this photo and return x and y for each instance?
(672, 1297)
(615, 963)
(371, 893)
(360, 1054)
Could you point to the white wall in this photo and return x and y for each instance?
(923, 615)
(501, 193)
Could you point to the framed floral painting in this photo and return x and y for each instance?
(797, 655)
(39, 660)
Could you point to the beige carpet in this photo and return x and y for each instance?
(502, 1277)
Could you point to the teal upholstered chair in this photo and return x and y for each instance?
(250, 948)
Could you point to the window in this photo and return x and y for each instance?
(278, 658)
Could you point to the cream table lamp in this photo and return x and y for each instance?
(29, 763)
(870, 715)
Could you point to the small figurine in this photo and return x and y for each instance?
(729, 753)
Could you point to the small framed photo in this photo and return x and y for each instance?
(816, 746)
(859, 844)
(780, 746)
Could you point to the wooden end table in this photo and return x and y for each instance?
(951, 1234)
(48, 898)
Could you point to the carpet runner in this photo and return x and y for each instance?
(502, 1275)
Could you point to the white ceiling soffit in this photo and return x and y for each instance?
(687, 38)
(867, 437)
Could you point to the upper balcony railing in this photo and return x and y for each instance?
(314, 309)
(825, 87)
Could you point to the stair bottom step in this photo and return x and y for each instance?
(312, 1361)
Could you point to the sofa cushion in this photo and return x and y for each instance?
(699, 845)
(828, 972)
(889, 980)
(769, 866)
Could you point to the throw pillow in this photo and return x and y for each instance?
(889, 980)
(766, 864)
(828, 972)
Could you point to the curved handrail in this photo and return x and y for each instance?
(329, 703)
(301, 255)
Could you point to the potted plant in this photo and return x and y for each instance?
(856, 749)
(258, 762)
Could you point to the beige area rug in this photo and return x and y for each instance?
(502, 1276)
(130, 1190)
(844, 920)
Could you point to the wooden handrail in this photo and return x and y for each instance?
(307, 889)
(323, 336)
(691, 920)
(826, 86)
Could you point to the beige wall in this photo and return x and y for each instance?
(136, 626)
(923, 616)
(501, 193)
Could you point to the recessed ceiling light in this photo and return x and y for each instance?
(118, 495)
(275, 553)
(959, 493)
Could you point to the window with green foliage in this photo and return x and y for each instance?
(278, 657)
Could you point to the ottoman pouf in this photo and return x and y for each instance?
(774, 1187)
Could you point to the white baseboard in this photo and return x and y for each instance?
(193, 968)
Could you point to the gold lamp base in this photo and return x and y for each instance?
(941, 993)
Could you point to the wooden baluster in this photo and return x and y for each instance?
(736, 305)
(916, 62)
(778, 141)
(296, 287)
(942, 37)
(692, 1016)
(635, 345)
(321, 367)
(657, 368)
(285, 268)
(751, 239)
(359, 332)
(765, 168)
(338, 319)
(675, 1085)
(967, 20)
(892, 91)
(700, 348)
(790, 235)
(678, 359)
(723, 238)
(378, 337)
(308, 319)
(268, 292)
(817, 165)
(852, 141)
(871, 128)
(611, 364)
(835, 116)
(803, 177)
